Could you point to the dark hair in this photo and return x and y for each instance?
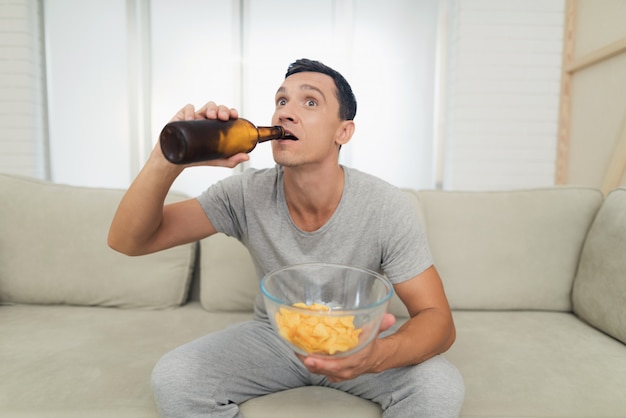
(345, 96)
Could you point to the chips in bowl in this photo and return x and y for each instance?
(315, 333)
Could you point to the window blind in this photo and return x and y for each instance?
(23, 143)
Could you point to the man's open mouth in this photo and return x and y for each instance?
(289, 135)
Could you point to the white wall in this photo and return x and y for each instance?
(502, 93)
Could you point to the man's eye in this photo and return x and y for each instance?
(281, 102)
(311, 103)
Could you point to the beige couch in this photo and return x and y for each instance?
(536, 278)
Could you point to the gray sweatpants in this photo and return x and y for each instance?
(210, 376)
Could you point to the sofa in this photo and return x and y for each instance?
(536, 279)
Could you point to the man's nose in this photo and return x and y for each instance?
(284, 114)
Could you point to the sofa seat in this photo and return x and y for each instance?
(75, 359)
(538, 364)
(89, 358)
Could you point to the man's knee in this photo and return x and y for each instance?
(441, 386)
(433, 388)
(167, 375)
(174, 381)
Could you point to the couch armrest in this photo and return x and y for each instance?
(600, 286)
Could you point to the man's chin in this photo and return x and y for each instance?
(283, 159)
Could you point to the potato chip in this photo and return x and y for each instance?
(317, 334)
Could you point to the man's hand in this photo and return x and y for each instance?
(346, 368)
(211, 110)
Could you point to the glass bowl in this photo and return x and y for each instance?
(326, 309)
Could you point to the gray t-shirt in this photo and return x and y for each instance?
(375, 225)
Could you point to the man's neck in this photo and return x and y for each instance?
(313, 197)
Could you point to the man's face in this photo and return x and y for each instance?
(307, 107)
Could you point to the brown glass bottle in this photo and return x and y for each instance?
(184, 142)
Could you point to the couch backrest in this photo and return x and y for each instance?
(53, 250)
(228, 280)
(510, 249)
(600, 287)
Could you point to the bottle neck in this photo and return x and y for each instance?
(267, 133)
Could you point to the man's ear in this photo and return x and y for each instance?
(345, 132)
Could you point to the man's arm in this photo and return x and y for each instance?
(429, 331)
(142, 223)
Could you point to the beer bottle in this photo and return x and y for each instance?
(184, 142)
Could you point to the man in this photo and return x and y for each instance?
(307, 208)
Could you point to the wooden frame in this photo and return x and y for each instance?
(617, 165)
(562, 155)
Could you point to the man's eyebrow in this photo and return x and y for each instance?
(303, 87)
(310, 87)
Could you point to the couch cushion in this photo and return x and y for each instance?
(600, 285)
(510, 249)
(228, 281)
(77, 362)
(53, 250)
(537, 364)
